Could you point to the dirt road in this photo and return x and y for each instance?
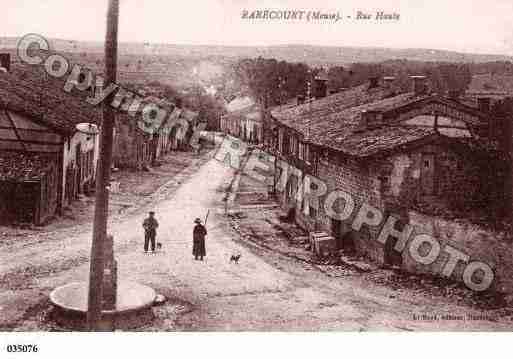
(265, 291)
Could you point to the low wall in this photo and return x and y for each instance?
(479, 244)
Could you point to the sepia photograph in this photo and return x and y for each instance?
(294, 168)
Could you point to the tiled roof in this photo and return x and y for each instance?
(321, 108)
(44, 99)
(252, 112)
(342, 130)
(386, 138)
(28, 90)
(491, 84)
(239, 103)
(20, 166)
(336, 121)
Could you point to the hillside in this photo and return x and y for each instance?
(313, 55)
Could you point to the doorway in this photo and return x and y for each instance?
(344, 239)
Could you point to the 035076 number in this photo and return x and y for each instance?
(22, 348)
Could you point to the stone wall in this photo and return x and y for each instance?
(479, 244)
(461, 182)
(362, 183)
(393, 186)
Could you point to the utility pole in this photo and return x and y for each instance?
(95, 294)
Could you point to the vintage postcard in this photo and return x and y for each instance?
(255, 166)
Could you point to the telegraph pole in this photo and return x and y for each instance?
(95, 294)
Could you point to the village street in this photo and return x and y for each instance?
(265, 291)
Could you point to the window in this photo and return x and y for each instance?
(385, 184)
(308, 158)
(304, 152)
(280, 140)
(293, 146)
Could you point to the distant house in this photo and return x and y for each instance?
(169, 133)
(132, 146)
(138, 147)
(182, 137)
(243, 119)
(45, 161)
(399, 153)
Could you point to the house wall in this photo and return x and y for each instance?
(246, 127)
(361, 182)
(392, 185)
(88, 144)
(463, 181)
(35, 201)
(231, 125)
(19, 201)
(132, 149)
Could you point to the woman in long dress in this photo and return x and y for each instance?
(198, 240)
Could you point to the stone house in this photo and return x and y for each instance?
(137, 146)
(243, 119)
(405, 154)
(46, 159)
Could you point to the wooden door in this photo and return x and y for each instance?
(336, 232)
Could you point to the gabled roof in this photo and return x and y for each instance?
(30, 91)
(343, 130)
(304, 116)
(383, 139)
(336, 121)
(239, 103)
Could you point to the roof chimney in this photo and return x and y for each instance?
(483, 104)
(419, 85)
(388, 81)
(372, 119)
(5, 61)
(320, 87)
(374, 81)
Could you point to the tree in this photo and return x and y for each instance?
(271, 82)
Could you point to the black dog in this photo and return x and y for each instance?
(159, 246)
(235, 258)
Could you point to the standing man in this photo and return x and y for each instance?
(150, 226)
(198, 240)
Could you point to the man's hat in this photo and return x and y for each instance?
(197, 220)
(151, 212)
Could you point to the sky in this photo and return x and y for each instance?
(459, 25)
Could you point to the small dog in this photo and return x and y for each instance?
(235, 258)
(159, 246)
